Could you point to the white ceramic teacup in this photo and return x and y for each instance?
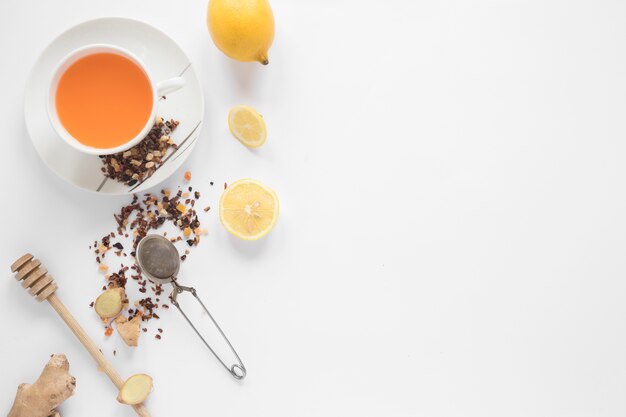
(159, 89)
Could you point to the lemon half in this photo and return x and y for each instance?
(247, 125)
(249, 209)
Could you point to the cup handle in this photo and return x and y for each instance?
(169, 86)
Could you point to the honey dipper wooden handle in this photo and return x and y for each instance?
(33, 276)
(92, 348)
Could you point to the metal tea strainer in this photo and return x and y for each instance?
(159, 261)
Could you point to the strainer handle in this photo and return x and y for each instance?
(238, 370)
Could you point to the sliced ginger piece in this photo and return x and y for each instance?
(110, 303)
(129, 330)
(135, 390)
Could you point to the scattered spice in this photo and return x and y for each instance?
(144, 215)
(187, 176)
(142, 160)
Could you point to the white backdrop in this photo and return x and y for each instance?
(453, 227)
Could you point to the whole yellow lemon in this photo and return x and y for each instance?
(242, 29)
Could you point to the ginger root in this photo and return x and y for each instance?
(41, 398)
(135, 390)
(129, 330)
(110, 303)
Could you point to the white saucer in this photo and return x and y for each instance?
(163, 57)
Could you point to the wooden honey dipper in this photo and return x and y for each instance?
(41, 286)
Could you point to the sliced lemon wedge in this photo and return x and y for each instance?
(249, 209)
(247, 126)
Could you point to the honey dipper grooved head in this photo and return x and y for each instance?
(34, 277)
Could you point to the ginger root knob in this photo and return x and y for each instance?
(41, 398)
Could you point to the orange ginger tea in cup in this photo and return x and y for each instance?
(104, 100)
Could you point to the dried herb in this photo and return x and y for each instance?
(142, 160)
(144, 215)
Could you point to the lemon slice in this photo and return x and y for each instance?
(247, 125)
(249, 209)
